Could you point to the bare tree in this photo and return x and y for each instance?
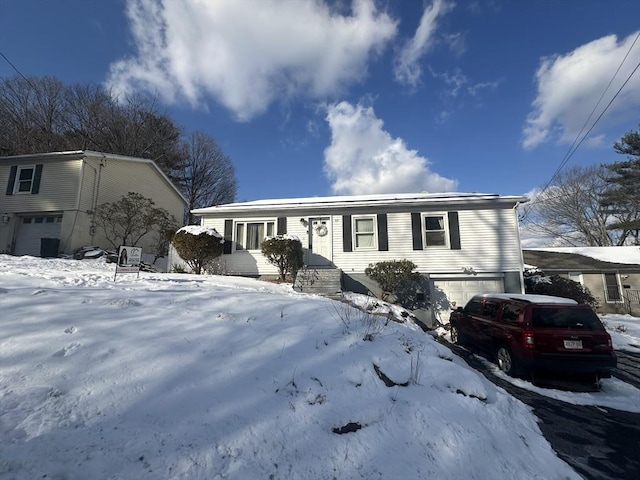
(208, 177)
(42, 115)
(569, 210)
(132, 217)
(32, 115)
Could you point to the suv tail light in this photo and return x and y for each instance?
(528, 340)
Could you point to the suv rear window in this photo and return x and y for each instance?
(565, 318)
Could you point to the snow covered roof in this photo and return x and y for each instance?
(325, 203)
(627, 254)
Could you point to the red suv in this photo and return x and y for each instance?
(535, 333)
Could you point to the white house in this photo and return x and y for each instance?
(462, 243)
(54, 196)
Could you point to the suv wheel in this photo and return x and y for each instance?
(455, 336)
(505, 360)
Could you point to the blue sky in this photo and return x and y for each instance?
(356, 97)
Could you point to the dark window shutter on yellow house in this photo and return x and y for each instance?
(346, 234)
(383, 238)
(228, 237)
(35, 188)
(12, 179)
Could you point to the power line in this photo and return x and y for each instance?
(18, 71)
(573, 150)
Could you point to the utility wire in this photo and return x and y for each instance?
(18, 71)
(576, 144)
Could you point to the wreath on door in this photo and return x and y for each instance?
(322, 230)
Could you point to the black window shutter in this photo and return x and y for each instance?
(416, 230)
(12, 179)
(282, 225)
(228, 237)
(346, 234)
(454, 231)
(35, 188)
(383, 239)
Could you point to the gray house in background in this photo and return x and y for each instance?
(462, 243)
(612, 274)
(54, 196)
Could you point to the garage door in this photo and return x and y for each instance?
(460, 291)
(32, 229)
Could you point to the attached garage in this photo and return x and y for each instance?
(34, 228)
(460, 291)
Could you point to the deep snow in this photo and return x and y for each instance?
(175, 376)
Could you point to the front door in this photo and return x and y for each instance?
(320, 251)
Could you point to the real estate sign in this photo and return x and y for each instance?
(128, 259)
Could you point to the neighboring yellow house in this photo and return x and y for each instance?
(54, 196)
(612, 274)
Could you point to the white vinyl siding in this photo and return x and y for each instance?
(118, 177)
(58, 190)
(489, 240)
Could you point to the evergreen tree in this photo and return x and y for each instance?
(621, 196)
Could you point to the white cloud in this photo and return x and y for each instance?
(363, 158)
(570, 85)
(246, 55)
(407, 65)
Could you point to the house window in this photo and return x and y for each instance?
(249, 235)
(435, 230)
(364, 229)
(612, 287)
(24, 179)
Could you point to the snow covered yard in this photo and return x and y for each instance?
(190, 377)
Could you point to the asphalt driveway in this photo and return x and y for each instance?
(599, 443)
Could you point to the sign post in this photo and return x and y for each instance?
(128, 260)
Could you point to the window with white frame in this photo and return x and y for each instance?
(364, 232)
(435, 230)
(250, 235)
(24, 179)
(612, 287)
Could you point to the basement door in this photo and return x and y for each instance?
(320, 248)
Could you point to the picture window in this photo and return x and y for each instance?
(250, 235)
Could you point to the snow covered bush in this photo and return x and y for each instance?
(537, 282)
(285, 252)
(198, 246)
